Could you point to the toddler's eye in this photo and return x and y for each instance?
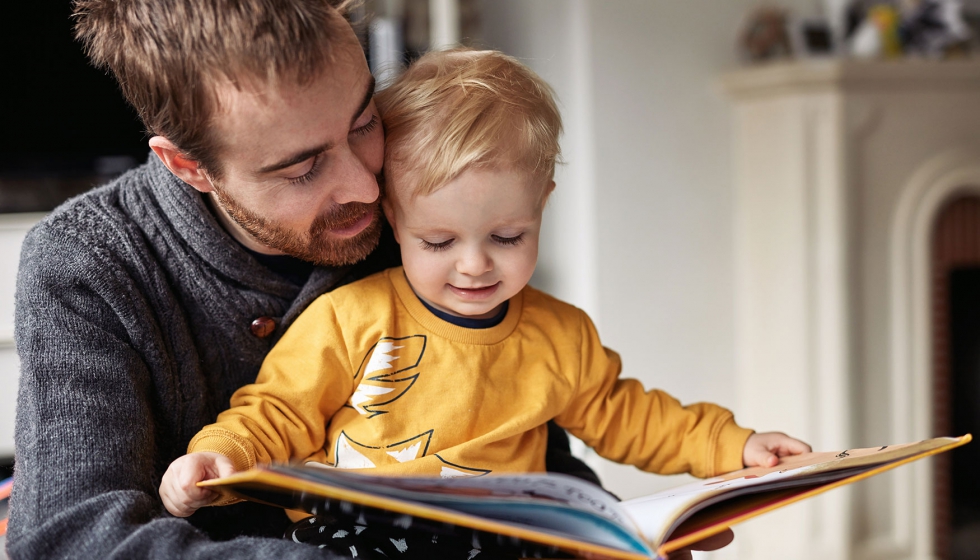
(440, 246)
(516, 240)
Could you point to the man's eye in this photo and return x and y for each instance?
(516, 240)
(309, 175)
(440, 246)
(367, 128)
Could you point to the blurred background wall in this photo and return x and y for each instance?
(640, 227)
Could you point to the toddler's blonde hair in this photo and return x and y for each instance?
(459, 109)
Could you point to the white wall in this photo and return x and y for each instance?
(13, 227)
(649, 175)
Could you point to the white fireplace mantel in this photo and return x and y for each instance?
(851, 76)
(840, 167)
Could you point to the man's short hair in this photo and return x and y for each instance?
(458, 109)
(169, 55)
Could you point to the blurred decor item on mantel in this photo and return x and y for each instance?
(868, 29)
(878, 35)
(765, 35)
(921, 28)
(811, 37)
(934, 28)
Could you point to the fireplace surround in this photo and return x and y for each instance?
(841, 169)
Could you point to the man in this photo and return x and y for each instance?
(143, 305)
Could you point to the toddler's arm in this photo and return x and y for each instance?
(179, 490)
(765, 449)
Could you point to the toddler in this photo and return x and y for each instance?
(451, 365)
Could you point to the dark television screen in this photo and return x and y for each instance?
(66, 127)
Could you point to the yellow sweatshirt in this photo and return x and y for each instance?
(367, 377)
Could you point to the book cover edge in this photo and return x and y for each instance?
(673, 545)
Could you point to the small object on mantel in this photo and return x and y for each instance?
(919, 28)
(765, 36)
(812, 37)
(934, 28)
(878, 35)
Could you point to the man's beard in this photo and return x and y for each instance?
(316, 246)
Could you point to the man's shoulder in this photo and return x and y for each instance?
(92, 235)
(95, 218)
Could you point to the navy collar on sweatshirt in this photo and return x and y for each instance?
(467, 322)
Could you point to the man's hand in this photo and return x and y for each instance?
(764, 450)
(179, 490)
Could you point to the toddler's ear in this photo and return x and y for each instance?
(390, 215)
(549, 188)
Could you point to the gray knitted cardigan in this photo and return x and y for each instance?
(132, 325)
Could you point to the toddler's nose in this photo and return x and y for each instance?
(474, 263)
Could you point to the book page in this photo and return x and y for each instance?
(567, 513)
(531, 488)
(658, 514)
(549, 504)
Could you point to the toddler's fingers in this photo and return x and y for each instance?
(761, 457)
(187, 479)
(796, 447)
(223, 466)
(786, 446)
(176, 499)
(187, 501)
(170, 505)
(769, 460)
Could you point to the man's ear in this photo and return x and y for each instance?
(186, 169)
(389, 211)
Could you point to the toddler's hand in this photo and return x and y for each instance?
(179, 490)
(764, 450)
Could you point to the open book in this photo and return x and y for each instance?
(560, 513)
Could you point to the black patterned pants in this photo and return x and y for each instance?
(371, 539)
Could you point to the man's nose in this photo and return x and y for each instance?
(474, 262)
(353, 181)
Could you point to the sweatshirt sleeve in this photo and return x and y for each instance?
(648, 429)
(87, 468)
(304, 380)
